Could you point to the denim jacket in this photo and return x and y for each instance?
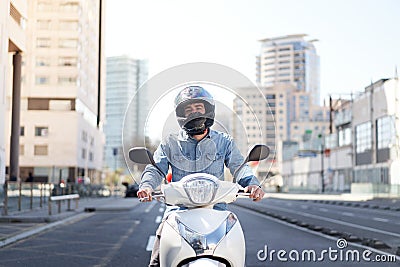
(185, 155)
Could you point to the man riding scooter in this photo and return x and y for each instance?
(196, 148)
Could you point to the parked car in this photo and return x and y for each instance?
(131, 189)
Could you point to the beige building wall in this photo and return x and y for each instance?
(262, 118)
(59, 98)
(13, 16)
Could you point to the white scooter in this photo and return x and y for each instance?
(201, 235)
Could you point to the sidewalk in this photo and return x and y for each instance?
(20, 225)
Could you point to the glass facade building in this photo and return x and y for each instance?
(124, 77)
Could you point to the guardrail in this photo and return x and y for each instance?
(60, 199)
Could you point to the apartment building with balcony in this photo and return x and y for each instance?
(62, 99)
(289, 59)
(13, 18)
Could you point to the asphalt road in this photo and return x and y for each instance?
(123, 238)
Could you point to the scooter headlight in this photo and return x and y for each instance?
(200, 190)
(204, 244)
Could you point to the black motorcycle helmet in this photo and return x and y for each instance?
(194, 123)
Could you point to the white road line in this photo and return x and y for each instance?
(314, 232)
(150, 207)
(380, 219)
(324, 210)
(150, 243)
(158, 219)
(45, 227)
(348, 214)
(337, 221)
(161, 209)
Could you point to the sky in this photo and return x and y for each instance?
(358, 40)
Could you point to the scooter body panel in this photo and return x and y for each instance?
(208, 222)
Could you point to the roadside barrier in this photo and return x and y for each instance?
(60, 199)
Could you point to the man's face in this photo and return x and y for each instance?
(194, 107)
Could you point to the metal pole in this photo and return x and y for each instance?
(99, 111)
(31, 200)
(322, 168)
(20, 196)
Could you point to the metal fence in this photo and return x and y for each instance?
(19, 196)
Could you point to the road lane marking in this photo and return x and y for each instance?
(314, 232)
(337, 221)
(348, 214)
(150, 243)
(323, 209)
(161, 209)
(150, 207)
(45, 227)
(116, 247)
(380, 219)
(158, 219)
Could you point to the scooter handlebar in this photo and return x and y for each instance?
(155, 195)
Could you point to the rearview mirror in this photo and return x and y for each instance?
(141, 155)
(257, 152)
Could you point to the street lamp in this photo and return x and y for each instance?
(321, 137)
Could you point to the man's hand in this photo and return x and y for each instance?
(144, 194)
(256, 193)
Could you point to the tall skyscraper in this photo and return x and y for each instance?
(61, 100)
(124, 77)
(289, 59)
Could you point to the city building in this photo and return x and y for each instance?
(62, 98)
(272, 115)
(362, 154)
(13, 17)
(289, 59)
(124, 77)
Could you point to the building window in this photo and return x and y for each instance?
(22, 131)
(41, 80)
(43, 24)
(68, 43)
(363, 137)
(44, 6)
(41, 131)
(21, 150)
(43, 42)
(83, 153)
(42, 62)
(69, 25)
(91, 156)
(70, 6)
(385, 132)
(344, 137)
(40, 150)
(270, 96)
(68, 61)
(67, 80)
(84, 136)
